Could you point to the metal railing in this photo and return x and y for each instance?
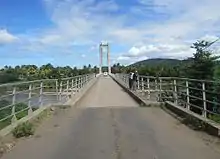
(18, 100)
(199, 96)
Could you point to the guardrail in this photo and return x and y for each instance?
(18, 100)
(199, 96)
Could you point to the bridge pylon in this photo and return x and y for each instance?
(101, 53)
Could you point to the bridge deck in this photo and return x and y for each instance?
(107, 93)
(113, 133)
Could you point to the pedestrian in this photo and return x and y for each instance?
(135, 80)
(131, 74)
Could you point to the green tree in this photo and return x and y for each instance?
(201, 67)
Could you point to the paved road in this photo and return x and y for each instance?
(107, 93)
(114, 132)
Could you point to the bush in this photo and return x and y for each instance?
(23, 130)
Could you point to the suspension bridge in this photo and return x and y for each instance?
(104, 119)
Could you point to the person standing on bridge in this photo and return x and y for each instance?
(131, 74)
(135, 80)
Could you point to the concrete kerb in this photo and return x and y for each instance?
(138, 99)
(81, 94)
(180, 113)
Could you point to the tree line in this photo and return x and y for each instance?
(32, 72)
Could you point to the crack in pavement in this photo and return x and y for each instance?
(117, 151)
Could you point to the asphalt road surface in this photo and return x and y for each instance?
(108, 124)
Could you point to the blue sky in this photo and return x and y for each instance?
(67, 32)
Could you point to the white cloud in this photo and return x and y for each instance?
(50, 39)
(137, 53)
(209, 38)
(127, 34)
(123, 58)
(175, 26)
(188, 22)
(83, 55)
(129, 60)
(82, 20)
(88, 19)
(6, 37)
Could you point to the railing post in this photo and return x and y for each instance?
(125, 80)
(88, 78)
(67, 89)
(57, 90)
(14, 119)
(41, 94)
(138, 83)
(81, 82)
(67, 85)
(82, 79)
(72, 85)
(77, 84)
(204, 100)
(187, 95)
(142, 84)
(148, 83)
(156, 84)
(148, 87)
(160, 84)
(175, 92)
(160, 89)
(30, 111)
(60, 93)
(85, 80)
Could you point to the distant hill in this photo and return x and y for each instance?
(158, 62)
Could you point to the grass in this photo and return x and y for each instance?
(23, 130)
(28, 128)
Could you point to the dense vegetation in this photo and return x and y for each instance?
(48, 71)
